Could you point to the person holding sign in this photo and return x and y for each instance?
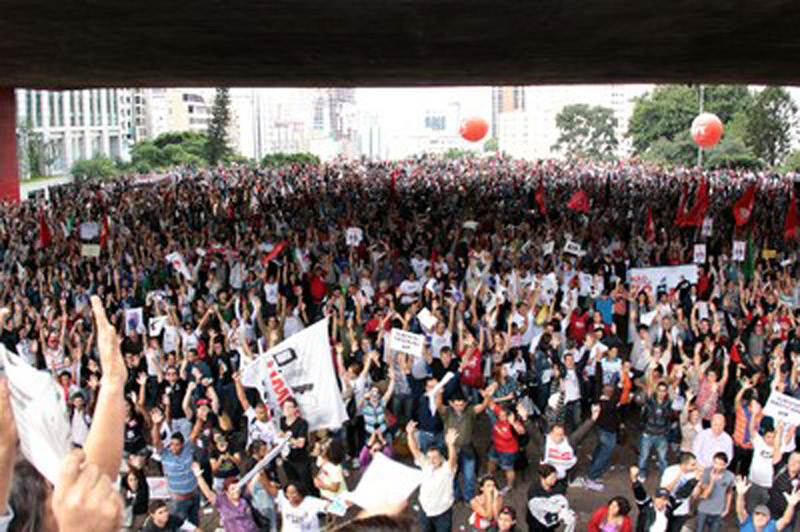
(233, 503)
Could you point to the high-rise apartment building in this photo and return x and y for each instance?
(77, 124)
(529, 130)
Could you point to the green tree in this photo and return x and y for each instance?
(667, 112)
(731, 152)
(586, 131)
(770, 120)
(282, 159)
(669, 152)
(217, 147)
(37, 153)
(148, 153)
(792, 162)
(491, 145)
(96, 168)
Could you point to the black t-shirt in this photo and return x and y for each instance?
(227, 467)
(176, 393)
(298, 429)
(439, 370)
(174, 524)
(134, 434)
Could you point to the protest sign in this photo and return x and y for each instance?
(39, 408)
(782, 407)
(573, 248)
(176, 260)
(668, 277)
(699, 253)
(471, 225)
(386, 483)
(547, 249)
(708, 227)
(158, 487)
(739, 248)
(407, 342)
(300, 367)
(354, 236)
(134, 321)
(769, 253)
(89, 231)
(90, 250)
(426, 319)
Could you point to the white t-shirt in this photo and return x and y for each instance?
(438, 342)
(559, 455)
(302, 518)
(660, 523)
(436, 490)
(260, 430)
(762, 468)
(410, 291)
(669, 476)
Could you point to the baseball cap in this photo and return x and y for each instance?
(762, 509)
(661, 493)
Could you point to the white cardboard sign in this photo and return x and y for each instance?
(699, 253)
(354, 236)
(547, 249)
(407, 342)
(739, 247)
(783, 407)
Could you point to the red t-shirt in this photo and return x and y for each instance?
(577, 327)
(472, 374)
(503, 436)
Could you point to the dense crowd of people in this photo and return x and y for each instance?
(544, 345)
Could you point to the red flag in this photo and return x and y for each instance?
(540, 199)
(44, 231)
(579, 202)
(277, 250)
(394, 184)
(698, 213)
(680, 216)
(104, 231)
(743, 208)
(790, 225)
(650, 227)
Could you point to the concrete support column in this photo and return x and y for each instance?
(9, 166)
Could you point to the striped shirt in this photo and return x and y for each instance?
(178, 470)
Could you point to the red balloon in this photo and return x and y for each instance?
(706, 130)
(474, 129)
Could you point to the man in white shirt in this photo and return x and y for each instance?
(712, 441)
(436, 490)
(409, 290)
(767, 453)
(673, 479)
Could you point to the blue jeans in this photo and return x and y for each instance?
(188, 510)
(712, 523)
(437, 523)
(601, 458)
(465, 473)
(647, 443)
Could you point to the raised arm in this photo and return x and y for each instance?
(240, 395)
(207, 492)
(104, 442)
(742, 485)
(413, 446)
(452, 452)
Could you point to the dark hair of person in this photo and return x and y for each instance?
(622, 503)
(156, 505)
(380, 523)
(335, 452)
(28, 499)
